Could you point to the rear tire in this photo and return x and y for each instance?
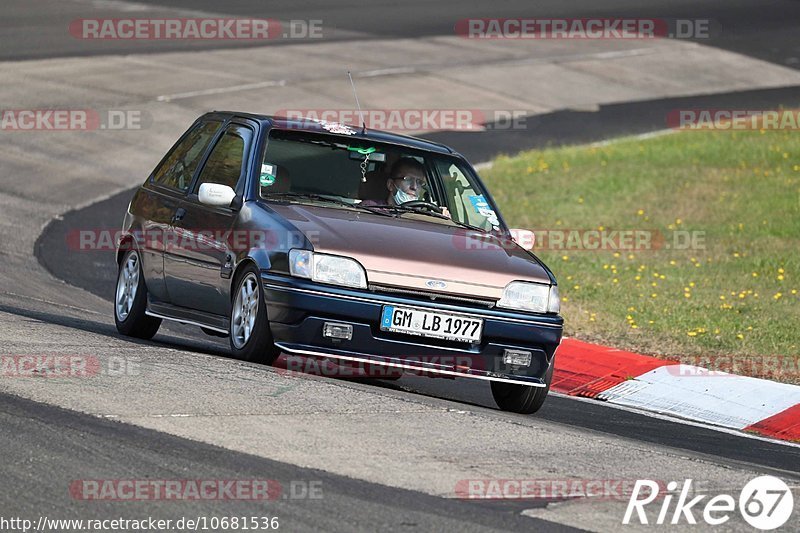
(522, 399)
(250, 336)
(130, 302)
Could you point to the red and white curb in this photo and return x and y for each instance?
(665, 387)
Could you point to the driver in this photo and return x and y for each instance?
(407, 181)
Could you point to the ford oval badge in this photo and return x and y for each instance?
(436, 284)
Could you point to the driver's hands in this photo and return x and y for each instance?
(446, 212)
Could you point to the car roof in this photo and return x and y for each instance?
(316, 126)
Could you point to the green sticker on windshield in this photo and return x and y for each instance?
(267, 178)
(362, 151)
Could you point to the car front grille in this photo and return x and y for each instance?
(433, 296)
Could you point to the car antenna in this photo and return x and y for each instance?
(360, 114)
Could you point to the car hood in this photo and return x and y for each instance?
(413, 253)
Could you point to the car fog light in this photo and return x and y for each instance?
(333, 330)
(517, 357)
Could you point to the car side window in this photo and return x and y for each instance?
(225, 164)
(467, 204)
(177, 170)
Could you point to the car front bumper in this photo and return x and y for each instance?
(298, 309)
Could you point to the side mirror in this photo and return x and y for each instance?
(216, 194)
(525, 238)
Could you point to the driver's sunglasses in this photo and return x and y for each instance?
(421, 183)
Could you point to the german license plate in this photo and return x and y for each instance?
(431, 324)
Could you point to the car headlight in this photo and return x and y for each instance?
(534, 297)
(554, 300)
(324, 268)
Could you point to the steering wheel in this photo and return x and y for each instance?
(424, 204)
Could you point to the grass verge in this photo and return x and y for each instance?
(718, 284)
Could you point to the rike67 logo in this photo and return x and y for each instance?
(765, 503)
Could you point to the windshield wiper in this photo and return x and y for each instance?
(309, 196)
(323, 198)
(400, 209)
(470, 226)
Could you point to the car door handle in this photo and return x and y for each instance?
(178, 216)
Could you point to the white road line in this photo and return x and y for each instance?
(49, 302)
(221, 90)
(640, 137)
(613, 54)
(393, 71)
(386, 72)
(279, 83)
(486, 165)
(138, 7)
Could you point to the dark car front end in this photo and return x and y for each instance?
(410, 262)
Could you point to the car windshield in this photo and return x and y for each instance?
(387, 179)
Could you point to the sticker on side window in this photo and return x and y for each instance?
(482, 207)
(267, 178)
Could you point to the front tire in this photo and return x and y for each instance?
(130, 302)
(522, 399)
(250, 336)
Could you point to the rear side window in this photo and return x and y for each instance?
(177, 170)
(225, 164)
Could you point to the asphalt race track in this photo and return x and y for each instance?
(767, 30)
(74, 440)
(95, 272)
(388, 455)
